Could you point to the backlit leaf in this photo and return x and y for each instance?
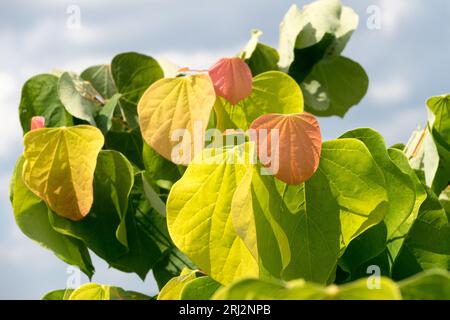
(199, 218)
(254, 289)
(232, 79)
(177, 108)
(273, 92)
(172, 290)
(299, 146)
(59, 167)
(94, 291)
(429, 285)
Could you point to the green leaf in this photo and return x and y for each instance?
(101, 79)
(445, 200)
(160, 171)
(40, 98)
(145, 249)
(399, 185)
(93, 291)
(198, 214)
(79, 97)
(129, 143)
(170, 266)
(104, 230)
(104, 117)
(201, 288)
(259, 57)
(427, 245)
(172, 290)
(440, 122)
(59, 167)
(62, 294)
(133, 73)
(253, 289)
(429, 285)
(31, 215)
(273, 92)
(343, 199)
(333, 87)
(431, 230)
(153, 197)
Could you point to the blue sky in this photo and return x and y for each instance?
(407, 60)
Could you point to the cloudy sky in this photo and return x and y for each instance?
(407, 60)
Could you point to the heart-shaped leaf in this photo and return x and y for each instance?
(232, 79)
(59, 167)
(174, 108)
(297, 149)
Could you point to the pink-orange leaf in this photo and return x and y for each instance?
(232, 79)
(298, 148)
(37, 123)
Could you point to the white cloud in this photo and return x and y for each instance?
(397, 12)
(9, 123)
(389, 92)
(399, 127)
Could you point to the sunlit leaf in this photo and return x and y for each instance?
(59, 167)
(429, 285)
(273, 92)
(199, 219)
(232, 79)
(172, 290)
(254, 289)
(298, 148)
(201, 288)
(93, 291)
(177, 108)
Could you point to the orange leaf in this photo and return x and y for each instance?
(297, 150)
(232, 79)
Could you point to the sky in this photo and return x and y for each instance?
(407, 60)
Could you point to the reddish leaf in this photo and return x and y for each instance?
(37, 123)
(298, 148)
(232, 79)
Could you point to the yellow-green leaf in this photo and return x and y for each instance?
(59, 167)
(172, 290)
(273, 92)
(172, 105)
(199, 214)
